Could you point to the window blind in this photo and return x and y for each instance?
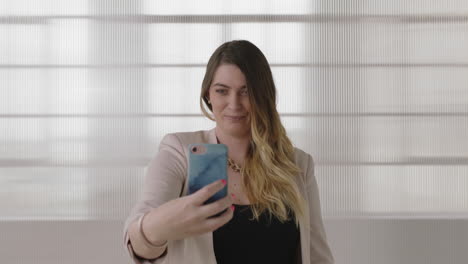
(376, 91)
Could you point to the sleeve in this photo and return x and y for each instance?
(164, 181)
(320, 252)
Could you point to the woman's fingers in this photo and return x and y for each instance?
(209, 190)
(188, 216)
(215, 207)
(214, 223)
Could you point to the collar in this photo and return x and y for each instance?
(212, 136)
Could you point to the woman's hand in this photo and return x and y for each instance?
(187, 216)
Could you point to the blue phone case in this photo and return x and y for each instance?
(207, 167)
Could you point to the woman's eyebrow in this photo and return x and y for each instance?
(222, 85)
(227, 86)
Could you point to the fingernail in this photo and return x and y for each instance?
(223, 181)
(232, 208)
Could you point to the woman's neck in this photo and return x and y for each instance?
(237, 145)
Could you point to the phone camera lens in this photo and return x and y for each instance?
(194, 149)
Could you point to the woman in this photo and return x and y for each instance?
(273, 204)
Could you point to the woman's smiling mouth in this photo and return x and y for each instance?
(234, 118)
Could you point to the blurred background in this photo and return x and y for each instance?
(375, 90)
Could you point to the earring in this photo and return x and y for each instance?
(209, 102)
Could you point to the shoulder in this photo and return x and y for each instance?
(302, 158)
(304, 161)
(181, 140)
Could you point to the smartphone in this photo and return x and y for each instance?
(207, 164)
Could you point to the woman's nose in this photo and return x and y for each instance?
(234, 101)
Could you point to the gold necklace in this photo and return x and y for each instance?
(234, 166)
(231, 163)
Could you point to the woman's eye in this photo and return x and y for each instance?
(244, 92)
(221, 91)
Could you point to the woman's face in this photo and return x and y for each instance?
(230, 100)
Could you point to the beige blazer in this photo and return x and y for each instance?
(166, 180)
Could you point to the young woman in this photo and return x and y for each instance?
(273, 204)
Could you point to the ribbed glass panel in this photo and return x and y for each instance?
(376, 91)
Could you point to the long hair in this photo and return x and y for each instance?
(269, 169)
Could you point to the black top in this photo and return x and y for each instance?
(245, 241)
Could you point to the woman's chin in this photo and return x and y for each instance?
(235, 128)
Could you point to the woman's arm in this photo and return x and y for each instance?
(180, 218)
(163, 182)
(164, 216)
(139, 241)
(320, 252)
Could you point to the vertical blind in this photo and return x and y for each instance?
(376, 91)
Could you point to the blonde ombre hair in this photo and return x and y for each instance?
(269, 170)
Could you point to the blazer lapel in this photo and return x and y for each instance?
(212, 136)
